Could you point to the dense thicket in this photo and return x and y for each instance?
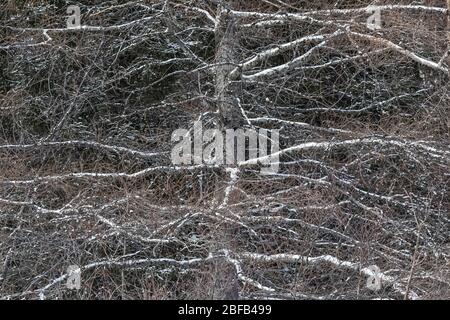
(86, 117)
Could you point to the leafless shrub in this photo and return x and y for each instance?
(86, 117)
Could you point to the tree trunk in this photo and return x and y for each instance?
(225, 91)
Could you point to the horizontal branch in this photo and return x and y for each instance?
(294, 258)
(84, 28)
(325, 145)
(410, 54)
(294, 62)
(116, 263)
(80, 143)
(368, 10)
(299, 124)
(98, 175)
(247, 65)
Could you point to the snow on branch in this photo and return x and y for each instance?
(354, 266)
(118, 27)
(303, 15)
(372, 8)
(115, 175)
(289, 65)
(326, 145)
(116, 263)
(84, 144)
(247, 65)
(410, 54)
